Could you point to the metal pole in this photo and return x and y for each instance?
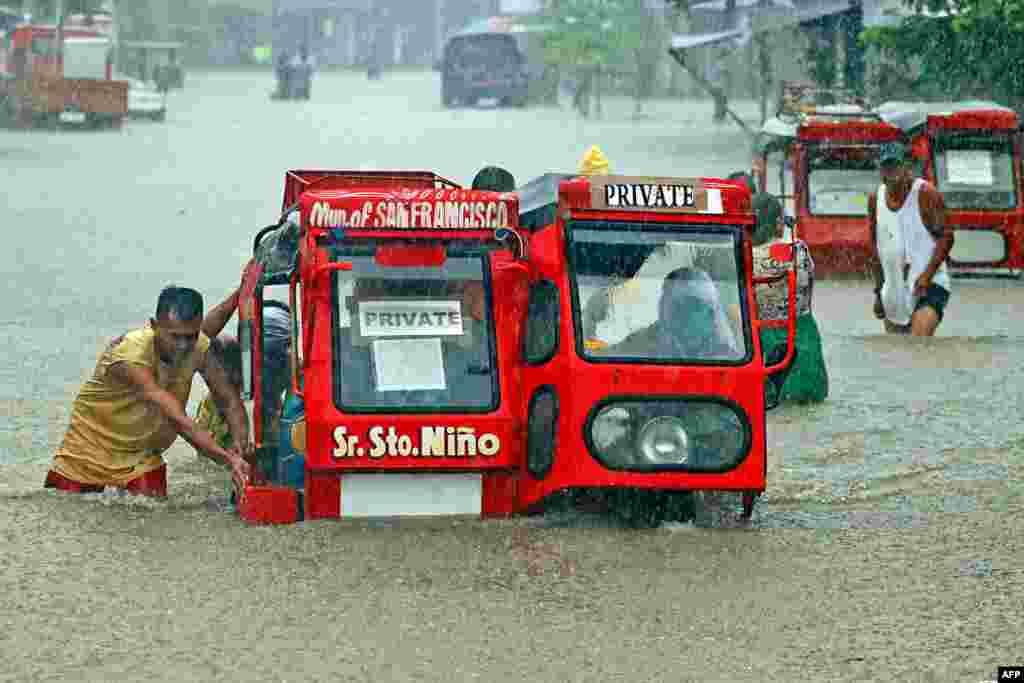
(60, 35)
(438, 30)
(115, 16)
(680, 57)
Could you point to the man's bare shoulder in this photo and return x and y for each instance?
(932, 205)
(932, 195)
(133, 348)
(930, 192)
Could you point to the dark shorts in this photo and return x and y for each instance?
(936, 297)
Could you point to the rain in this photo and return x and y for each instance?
(885, 545)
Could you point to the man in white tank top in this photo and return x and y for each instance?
(912, 241)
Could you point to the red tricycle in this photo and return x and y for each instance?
(468, 352)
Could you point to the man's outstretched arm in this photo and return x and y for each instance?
(227, 395)
(149, 391)
(219, 315)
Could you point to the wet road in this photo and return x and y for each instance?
(886, 548)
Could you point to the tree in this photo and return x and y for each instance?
(591, 36)
(962, 48)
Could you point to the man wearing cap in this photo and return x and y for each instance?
(911, 239)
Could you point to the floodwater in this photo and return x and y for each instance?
(887, 546)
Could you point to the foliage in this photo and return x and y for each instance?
(592, 32)
(976, 49)
(819, 57)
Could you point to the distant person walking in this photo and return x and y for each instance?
(907, 218)
(301, 70)
(282, 69)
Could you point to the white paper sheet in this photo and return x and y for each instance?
(408, 364)
(969, 167)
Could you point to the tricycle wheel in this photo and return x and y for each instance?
(648, 509)
(749, 497)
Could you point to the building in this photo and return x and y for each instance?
(391, 32)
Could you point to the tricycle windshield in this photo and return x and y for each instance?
(414, 338)
(657, 293)
(839, 179)
(975, 172)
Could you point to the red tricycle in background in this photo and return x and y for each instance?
(819, 155)
(468, 352)
(971, 152)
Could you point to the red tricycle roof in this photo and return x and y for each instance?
(630, 194)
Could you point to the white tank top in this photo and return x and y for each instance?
(904, 240)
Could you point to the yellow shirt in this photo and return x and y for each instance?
(114, 435)
(209, 417)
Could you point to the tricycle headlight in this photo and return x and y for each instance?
(611, 426)
(650, 435)
(664, 441)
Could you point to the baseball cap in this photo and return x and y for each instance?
(892, 153)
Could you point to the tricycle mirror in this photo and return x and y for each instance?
(790, 222)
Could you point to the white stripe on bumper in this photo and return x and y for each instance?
(400, 495)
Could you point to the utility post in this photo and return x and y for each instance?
(438, 31)
(59, 7)
(115, 17)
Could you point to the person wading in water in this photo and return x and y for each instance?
(912, 240)
(132, 409)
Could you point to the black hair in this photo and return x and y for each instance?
(495, 179)
(228, 353)
(183, 303)
(768, 210)
(743, 177)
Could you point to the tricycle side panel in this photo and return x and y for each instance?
(1009, 223)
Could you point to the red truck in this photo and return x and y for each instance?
(54, 78)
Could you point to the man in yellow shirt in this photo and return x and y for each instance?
(133, 407)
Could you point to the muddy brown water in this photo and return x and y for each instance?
(887, 546)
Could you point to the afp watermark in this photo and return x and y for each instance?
(1007, 674)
